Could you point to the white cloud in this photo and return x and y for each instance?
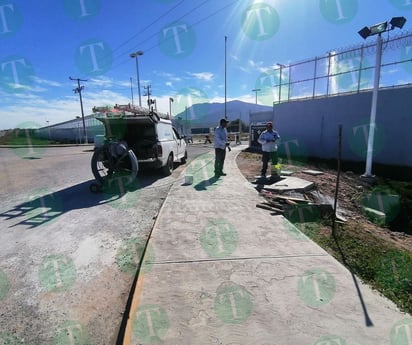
(30, 107)
(204, 76)
(46, 82)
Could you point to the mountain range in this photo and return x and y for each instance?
(209, 114)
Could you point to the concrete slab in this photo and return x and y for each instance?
(286, 173)
(313, 172)
(258, 301)
(291, 183)
(220, 271)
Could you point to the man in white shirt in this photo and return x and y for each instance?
(268, 139)
(220, 147)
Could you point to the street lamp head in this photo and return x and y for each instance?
(377, 29)
(138, 53)
(397, 22)
(373, 30)
(365, 32)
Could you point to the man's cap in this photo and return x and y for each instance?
(223, 120)
(269, 123)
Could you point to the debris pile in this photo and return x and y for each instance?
(298, 207)
(281, 203)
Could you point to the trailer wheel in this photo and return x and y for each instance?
(114, 159)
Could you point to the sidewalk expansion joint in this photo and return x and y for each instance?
(270, 257)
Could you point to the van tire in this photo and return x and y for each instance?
(168, 168)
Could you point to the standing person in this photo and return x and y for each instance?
(220, 147)
(268, 139)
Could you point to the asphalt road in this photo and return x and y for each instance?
(67, 256)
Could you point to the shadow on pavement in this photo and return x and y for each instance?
(368, 321)
(43, 207)
(204, 184)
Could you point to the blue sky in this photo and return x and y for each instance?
(43, 43)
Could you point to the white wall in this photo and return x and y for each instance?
(310, 127)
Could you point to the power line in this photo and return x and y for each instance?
(190, 12)
(123, 56)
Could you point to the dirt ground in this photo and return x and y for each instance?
(351, 189)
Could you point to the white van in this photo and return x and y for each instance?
(149, 134)
(158, 145)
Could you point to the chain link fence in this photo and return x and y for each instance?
(347, 70)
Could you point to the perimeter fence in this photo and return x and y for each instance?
(345, 70)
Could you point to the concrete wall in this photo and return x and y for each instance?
(310, 127)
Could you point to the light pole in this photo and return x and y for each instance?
(48, 128)
(280, 80)
(131, 89)
(256, 91)
(225, 78)
(171, 100)
(376, 29)
(135, 55)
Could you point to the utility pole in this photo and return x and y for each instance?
(78, 90)
(148, 93)
(256, 92)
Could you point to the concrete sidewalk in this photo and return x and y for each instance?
(218, 270)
